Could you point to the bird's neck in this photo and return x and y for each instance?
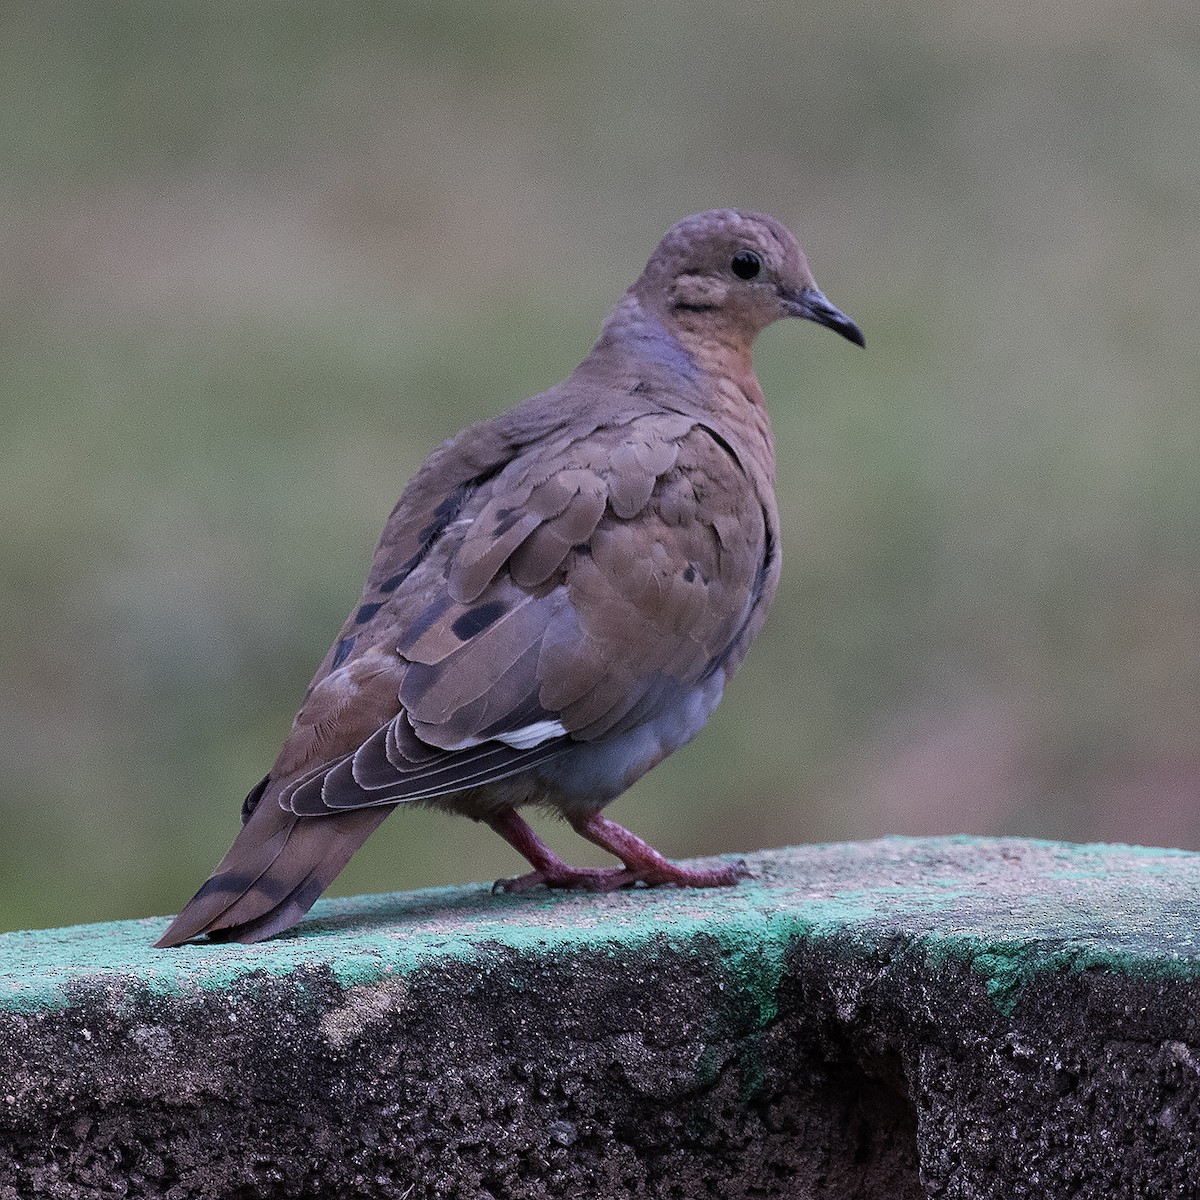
(640, 352)
(689, 348)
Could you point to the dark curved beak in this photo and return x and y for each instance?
(810, 303)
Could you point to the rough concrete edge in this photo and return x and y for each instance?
(753, 943)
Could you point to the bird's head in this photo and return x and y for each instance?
(725, 275)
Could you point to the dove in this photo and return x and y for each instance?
(556, 603)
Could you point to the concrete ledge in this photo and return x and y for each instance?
(947, 1017)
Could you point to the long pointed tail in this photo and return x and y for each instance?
(272, 874)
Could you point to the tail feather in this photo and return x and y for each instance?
(272, 874)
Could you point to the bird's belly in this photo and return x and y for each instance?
(590, 774)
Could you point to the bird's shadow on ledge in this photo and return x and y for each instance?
(472, 907)
(465, 908)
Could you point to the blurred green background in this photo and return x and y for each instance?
(258, 260)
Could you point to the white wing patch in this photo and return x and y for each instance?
(518, 739)
(532, 735)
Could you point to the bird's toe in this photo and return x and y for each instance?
(584, 879)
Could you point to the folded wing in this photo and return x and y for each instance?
(559, 601)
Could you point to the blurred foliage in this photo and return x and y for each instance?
(258, 260)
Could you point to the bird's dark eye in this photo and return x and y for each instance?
(746, 264)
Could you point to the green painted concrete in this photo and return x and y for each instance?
(1013, 908)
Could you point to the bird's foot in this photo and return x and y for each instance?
(657, 873)
(585, 879)
(644, 864)
(549, 870)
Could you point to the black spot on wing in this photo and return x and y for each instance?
(445, 513)
(506, 519)
(770, 552)
(689, 573)
(724, 445)
(344, 646)
(451, 506)
(476, 620)
(418, 679)
(256, 794)
(442, 516)
(390, 584)
(424, 622)
(366, 612)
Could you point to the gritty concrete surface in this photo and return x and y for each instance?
(946, 1017)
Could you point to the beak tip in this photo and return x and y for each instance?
(812, 305)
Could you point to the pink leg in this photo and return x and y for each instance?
(644, 864)
(548, 869)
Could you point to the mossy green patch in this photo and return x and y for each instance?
(1013, 909)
